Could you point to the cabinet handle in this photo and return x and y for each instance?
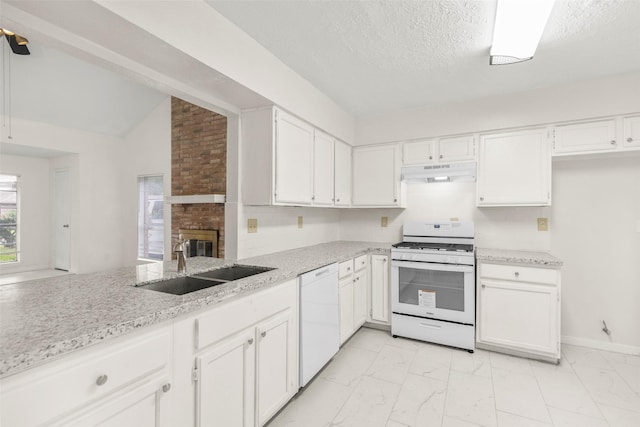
(517, 274)
(101, 380)
(250, 341)
(440, 155)
(613, 142)
(629, 139)
(67, 225)
(263, 334)
(166, 387)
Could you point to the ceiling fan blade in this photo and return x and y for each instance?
(16, 47)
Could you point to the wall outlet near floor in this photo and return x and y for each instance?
(384, 221)
(300, 221)
(252, 225)
(543, 224)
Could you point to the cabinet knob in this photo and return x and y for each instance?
(395, 200)
(263, 334)
(101, 380)
(613, 142)
(166, 387)
(629, 139)
(430, 157)
(313, 197)
(440, 155)
(250, 341)
(484, 286)
(481, 199)
(337, 200)
(517, 274)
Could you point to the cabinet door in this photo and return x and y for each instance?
(514, 169)
(631, 131)
(520, 316)
(380, 288)
(346, 308)
(140, 407)
(585, 137)
(376, 176)
(294, 160)
(323, 166)
(342, 174)
(225, 384)
(359, 298)
(276, 362)
(419, 152)
(456, 149)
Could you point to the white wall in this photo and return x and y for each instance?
(278, 228)
(147, 151)
(33, 211)
(595, 224)
(97, 214)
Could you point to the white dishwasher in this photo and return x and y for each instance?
(319, 320)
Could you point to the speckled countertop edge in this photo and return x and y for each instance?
(44, 319)
(520, 257)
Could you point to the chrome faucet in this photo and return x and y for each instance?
(179, 249)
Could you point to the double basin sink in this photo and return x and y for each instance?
(187, 284)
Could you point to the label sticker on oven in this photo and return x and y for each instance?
(427, 298)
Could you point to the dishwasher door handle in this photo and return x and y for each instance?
(322, 273)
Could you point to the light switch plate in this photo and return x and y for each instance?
(300, 221)
(543, 224)
(384, 221)
(252, 225)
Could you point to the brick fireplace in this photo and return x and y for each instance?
(198, 166)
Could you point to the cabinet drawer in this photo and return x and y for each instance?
(345, 268)
(229, 318)
(519, 273)
(53, 390)
(360, 262)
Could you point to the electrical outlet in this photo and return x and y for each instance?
(300, 221)
(384, 221)
(543, 224)
(252, 225)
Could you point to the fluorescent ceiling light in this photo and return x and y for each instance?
(519, 26)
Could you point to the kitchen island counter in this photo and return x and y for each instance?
(43, 319)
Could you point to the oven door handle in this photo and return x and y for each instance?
(433, 266)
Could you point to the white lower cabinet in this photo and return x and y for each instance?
(379, 295)
(519, 310)
(353, 295)
(246, 358)
(122, 383)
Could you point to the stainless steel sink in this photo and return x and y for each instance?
(182, 285)
(207, 279)
(234, 272)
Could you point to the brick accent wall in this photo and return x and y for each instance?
(198, 166)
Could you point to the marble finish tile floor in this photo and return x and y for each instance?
(378, 381)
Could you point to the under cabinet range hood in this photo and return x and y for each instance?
(193, 199)
(465, 172)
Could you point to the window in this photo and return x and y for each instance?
(151, 217)
(9, 251)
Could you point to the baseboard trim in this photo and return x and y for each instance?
(601, 345)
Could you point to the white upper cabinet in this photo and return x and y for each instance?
(419, 152)
(294, 160)
(585, 137)
(456, 149)
(441, 150)
(514, 169)
(376, 176)
(631, 131)
(342, 174)
(323, 166)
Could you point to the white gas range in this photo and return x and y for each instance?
(433, 283)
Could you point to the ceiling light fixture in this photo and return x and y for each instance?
(18, 43)
(518, 28)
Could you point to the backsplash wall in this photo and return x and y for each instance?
(198, 166)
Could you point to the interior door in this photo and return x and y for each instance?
(62, 220)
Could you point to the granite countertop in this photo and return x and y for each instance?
(520, 257)
(44, 319)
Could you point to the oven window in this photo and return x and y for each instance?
(432, 288)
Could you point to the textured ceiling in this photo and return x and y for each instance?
(377, 56)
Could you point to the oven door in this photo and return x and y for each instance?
(437, 291)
